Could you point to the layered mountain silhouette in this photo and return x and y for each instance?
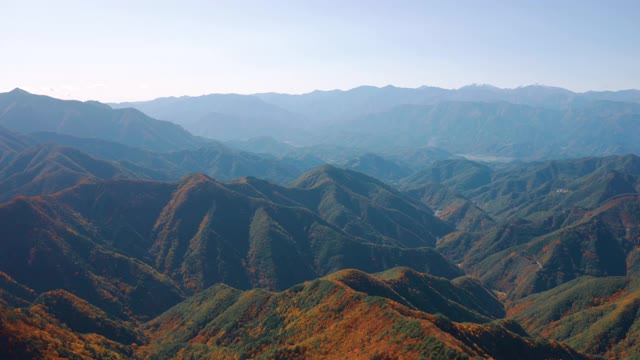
(26, 113)
(533, 190)
(215, 159)
(89, 263)
(344, 105)
(379, 167)
(498, 129)
(531, 122)
(558, 240)
(122, 236)
(600, 243)
(49, 168)
(198, 232)
(584, 288)
(223, 116)
(458, 174)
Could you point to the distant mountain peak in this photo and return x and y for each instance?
(18, 91)
(480, 86)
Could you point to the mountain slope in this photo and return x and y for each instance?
(215, 160)
(177, 229)
(458, 174)
(11, 142)
(378, 167)
(45, 169)
(349, 313)
(358, 204)
(525, 258)
(538, 190)
(452, 207)
(44, 246)
(226, 164)
(26, 113)
(32, 333)
(595, 315)
(568, 270)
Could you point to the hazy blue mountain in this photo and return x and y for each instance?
(263, 145)
(223, 116)
(328, 107)
(379, 167)
(458, 174)
(338, 105)
(499, 129)
(530, 122)
(458, 127)
(11, 142)
(419, 158)
(400, 162)
(24, 112)
(334, 106)
(215, 160)
(631, 95)
(112, 151)
(226, 164)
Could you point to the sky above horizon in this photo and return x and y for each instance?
(119, 50)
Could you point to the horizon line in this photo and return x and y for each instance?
(479, 85)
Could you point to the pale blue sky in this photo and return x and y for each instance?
(135, 50)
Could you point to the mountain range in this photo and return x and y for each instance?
(531, 122)
(26, 113)
(398, 227)
(350, 313)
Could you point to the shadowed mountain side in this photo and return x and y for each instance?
(13, 294)
(82, 317)
(32, 333)
(45, 246)
(197, 232)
